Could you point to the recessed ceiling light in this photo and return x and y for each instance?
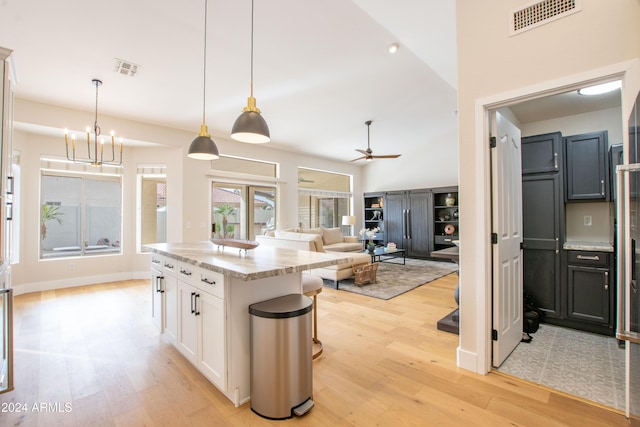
(393, 47)
(600, 89)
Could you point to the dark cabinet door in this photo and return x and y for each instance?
(541, 153)
(588, 294)
(587, 168)
(542, 211)
(395, 222)
(419, 235)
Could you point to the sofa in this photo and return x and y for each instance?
(314, 242)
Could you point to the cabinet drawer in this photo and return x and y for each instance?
(211, 282)
(445, 240)
(589, 258)
(187, 273)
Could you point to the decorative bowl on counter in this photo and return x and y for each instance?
(236, 243)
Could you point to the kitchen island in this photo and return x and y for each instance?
(201, 294)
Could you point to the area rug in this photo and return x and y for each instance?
(394, 279)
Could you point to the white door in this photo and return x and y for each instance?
(506, 192)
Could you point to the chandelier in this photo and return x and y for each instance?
(95, 148)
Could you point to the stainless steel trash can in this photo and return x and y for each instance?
(281, 359)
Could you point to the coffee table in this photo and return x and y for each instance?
(381, 255)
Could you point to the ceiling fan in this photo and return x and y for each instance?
(368, 153)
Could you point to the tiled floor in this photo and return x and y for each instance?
(579, 363)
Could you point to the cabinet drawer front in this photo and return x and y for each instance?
(211, 282)
(589, 258)
(169, 265)
(445, 240)
(188, 273)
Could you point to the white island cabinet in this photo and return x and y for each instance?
(201, 297)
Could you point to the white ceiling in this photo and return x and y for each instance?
(321, 68)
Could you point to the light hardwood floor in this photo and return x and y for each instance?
(91, 356)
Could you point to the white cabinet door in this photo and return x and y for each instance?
(171, 310)
(187, 321)
(211, 355)
(157, 284)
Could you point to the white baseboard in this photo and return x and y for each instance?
(469, 361)
(79, 281)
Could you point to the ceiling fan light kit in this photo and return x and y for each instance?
(368, 153)
(250, 126)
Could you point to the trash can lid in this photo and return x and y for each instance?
(283, 307)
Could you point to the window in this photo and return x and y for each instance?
(241, 211)
(80, 209)
(152, 205)
(323, 198)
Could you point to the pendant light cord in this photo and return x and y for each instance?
(251, 90)
(96, 128)
(204, 76)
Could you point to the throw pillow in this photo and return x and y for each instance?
(331, 236)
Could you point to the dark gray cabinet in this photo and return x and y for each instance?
(542, 153)
(590, 289)
(408, 221)
(587, 167)
(543, 228)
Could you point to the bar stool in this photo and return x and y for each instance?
(311, 287)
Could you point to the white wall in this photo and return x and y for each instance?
(39, 131)
(494, 68)
(430, 164)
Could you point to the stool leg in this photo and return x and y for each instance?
(315, 339)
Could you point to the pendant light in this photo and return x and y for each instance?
(203, 147)
(250, 126)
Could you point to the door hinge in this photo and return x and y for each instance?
(492, 142)
(522, 245)
(494, 238)
(494, 335)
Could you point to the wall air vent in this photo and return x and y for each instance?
(541, 12)
(125, 68)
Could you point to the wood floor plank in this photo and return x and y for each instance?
(384, 363)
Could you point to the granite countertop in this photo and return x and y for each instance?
(588, 246)
(253, 264)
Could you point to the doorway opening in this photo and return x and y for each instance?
(598, 374)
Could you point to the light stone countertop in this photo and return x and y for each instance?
(257, 263)
(588, 246)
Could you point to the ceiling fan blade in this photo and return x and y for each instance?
(361, 151)
(387, 156)
(359, 158)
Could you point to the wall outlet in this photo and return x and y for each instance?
(587, 220)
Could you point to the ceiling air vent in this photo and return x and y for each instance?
(125, 68)
(542, 12)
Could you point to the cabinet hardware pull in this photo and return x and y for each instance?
(606, 280)
(185, 272)
(159, 284)
(169, 266)
(555, 160)
(602, 187)
(589, 258)
(193, 310)
(197, 313)
(207, 281)
(155, 261)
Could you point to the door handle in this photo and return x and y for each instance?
(589, 257)
(196, 312)
(159, 284)
(409, 224)
(555, 160)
